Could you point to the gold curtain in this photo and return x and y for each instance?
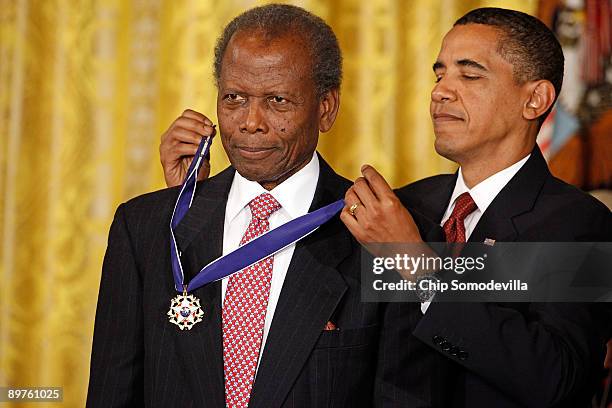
(86, 89)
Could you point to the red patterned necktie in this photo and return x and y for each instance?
(454, 228)
(244, 311)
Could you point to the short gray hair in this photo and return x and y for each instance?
(275, 21)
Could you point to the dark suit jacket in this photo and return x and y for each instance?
(517, 354)
(140, 359)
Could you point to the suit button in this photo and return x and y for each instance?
(446, 346)
(454, 351)
(437, 340)
(462, 355)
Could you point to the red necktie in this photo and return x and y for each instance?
(244, 311)
(454, 228)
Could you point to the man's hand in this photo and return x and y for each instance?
(179, 144)
(379, 216)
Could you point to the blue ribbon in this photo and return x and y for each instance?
(248, 254)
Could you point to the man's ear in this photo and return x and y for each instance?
(540, 97)
(328, 109)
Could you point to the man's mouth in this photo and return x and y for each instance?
(442, 117)
(254, 152)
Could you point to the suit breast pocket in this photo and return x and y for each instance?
(341, 369)
(347, 337)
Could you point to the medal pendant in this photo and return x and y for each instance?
(185, 311)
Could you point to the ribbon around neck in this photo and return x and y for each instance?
(248, 254)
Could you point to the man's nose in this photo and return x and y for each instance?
(255, 121)
(443, 91)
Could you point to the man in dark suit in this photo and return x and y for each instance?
(303, 337)
(497, 76)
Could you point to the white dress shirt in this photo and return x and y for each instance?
(483, 195)
(295, 197)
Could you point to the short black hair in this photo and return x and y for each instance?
(275, 21)
(526, 42)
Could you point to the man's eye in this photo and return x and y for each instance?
(232, 97)
(471, 77)
(278, 99)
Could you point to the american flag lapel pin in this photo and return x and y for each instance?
(489, 241)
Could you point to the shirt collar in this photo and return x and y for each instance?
(485, 192)
(294, 194)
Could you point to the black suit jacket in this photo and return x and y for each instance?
(140, 359)
(517, 354)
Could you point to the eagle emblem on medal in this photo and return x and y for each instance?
(185, 311)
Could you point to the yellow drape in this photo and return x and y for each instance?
(86, 89)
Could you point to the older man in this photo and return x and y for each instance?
(290, 330)
(498, 74)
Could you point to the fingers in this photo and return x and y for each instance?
(184, 149)
(354, 221)
(181, 135)
(190, 113)
(372, 190)
(378, 215)
(179, 144)
(377, 183)
(192, 121)
(369, 206)
(193, 125)
(348, 220)
(352, 224)
(364, 193)
(351, 198)
(188, 129)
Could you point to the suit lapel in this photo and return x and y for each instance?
(311, 292)
(200, 238)
(428, 207)
(500, 220)
(436, 210)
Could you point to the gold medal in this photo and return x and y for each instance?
(185, 311)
